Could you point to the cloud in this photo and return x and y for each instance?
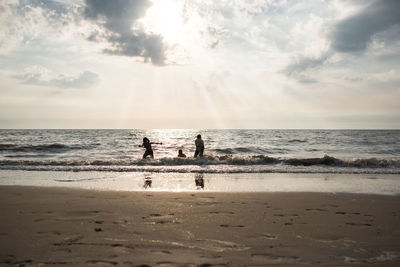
(373, 27)
(300, 67)
(25, 21)
(303, 64)
(354, 33)
(117, 18)
(12, 28)
(44, 77)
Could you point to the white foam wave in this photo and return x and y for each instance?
(220, 164)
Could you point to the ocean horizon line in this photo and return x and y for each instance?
(216, 129)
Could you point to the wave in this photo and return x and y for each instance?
(177, 169)
(224, 150)
(224, 163)
(297, 141)
(55, 147)
(236, 150)
(167, 161)
(6, 146)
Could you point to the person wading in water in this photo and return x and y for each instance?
(199, 146)
(149, 150)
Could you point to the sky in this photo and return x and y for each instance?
(147, 64)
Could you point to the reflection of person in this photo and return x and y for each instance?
(147, 181)
(149, 150)
(180, 154)
(199, 181)
(199, 146)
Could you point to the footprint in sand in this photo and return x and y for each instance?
(19, 263)
(227, 225)
(222, 212)
(123, 222)
(317, 209)
(167, 263)
(154, 215)
(207, 203)
(286, 215)
(161, 252)
(101, 262)
(330, 205)
(84, 212)
(56, 263)
(358, 224)
(341, 212)
(274, 259)
(49, 232)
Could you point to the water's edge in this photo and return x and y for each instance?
(382, 184)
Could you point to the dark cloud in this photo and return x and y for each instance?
(300, 68)
(379, 20)
(117, 17)
(354, 33)
(304, 64)
(36, 77)
(118, 14)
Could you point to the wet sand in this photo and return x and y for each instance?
(60, 226)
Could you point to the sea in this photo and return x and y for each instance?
(335, 161)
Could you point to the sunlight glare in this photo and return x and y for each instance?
(165, 18)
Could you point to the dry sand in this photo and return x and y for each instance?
(49, 226)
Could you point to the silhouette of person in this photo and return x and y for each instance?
(149, 150)
(180, 154)
(199, 146)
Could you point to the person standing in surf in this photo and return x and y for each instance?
(199, 146)
(149, 150)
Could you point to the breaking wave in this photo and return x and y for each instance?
(40, 148)
(223, 163)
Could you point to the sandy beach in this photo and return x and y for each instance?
(63, 226)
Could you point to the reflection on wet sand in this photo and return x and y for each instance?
(199, 180)
(147, 181)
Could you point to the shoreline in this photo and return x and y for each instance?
(379, 184)
(67, 226)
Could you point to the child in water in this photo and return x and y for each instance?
(149, 150)
(180, 154)
(199, 146)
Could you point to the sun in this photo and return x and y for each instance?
(165, 17)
